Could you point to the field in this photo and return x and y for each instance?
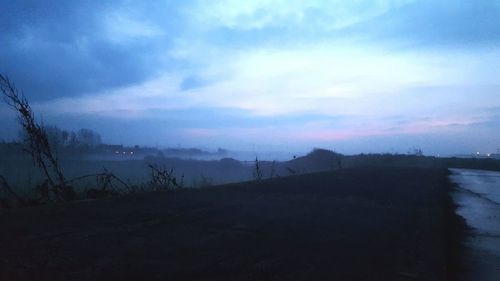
(350, 224)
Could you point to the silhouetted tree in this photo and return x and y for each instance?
(72, 140)
(416, 151)
(87, 137)
(55, 135)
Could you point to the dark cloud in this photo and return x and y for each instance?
(61, 48)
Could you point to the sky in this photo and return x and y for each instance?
(275, 75)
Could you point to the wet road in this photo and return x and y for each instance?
(478, 198)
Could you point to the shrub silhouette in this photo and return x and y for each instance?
(162, 178)
(37, 145)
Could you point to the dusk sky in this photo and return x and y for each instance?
(353, 76)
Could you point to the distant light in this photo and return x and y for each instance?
(124, 152)
(117, 152)
(477, 153)
(489, 154)
(131, 152)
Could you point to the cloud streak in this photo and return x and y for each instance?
(318, 14)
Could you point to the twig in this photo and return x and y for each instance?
(106, 174)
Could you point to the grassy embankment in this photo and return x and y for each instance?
(353, 224)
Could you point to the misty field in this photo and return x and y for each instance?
(352, 224)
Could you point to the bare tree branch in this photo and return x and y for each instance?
(37, 141)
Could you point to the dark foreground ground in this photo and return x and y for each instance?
(357, 224)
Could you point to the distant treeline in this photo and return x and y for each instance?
(67, 138)
(89, 141)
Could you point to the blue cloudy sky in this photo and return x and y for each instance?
(355, 76)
